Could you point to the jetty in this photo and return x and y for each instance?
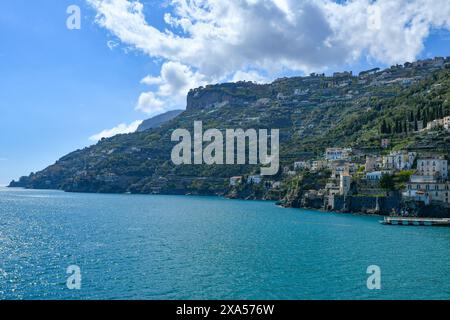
(414, 221)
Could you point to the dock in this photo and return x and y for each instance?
(411, 221)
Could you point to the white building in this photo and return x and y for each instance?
(433, 167)
(435, 191)
(302, 165)
(344, 184)
(399, 160)
(435, 124)
(332, 154)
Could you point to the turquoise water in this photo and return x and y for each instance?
(169, 247)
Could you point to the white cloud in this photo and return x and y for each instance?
(171, 88)
(120, 129)
(112, 44)
(252, 76)
(389, 31)
(216, 40)
(149, 103)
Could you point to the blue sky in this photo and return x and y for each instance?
(59, 87)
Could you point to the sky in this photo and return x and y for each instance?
(62, 89)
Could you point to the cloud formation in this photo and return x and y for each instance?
(120, 129)
(169, 89)
(214, 40)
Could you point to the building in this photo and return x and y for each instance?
(256, 179)
(332, 154)
(439, 123)
(437, 168)
(385, 143)
(399, 160)
(422, 179)
(373, 163)
(345, 184)
(234, 181)
(417, 196)
(339, 167)
(302, 165)
(318, 165)
(446, 121)
(435, 124)
(331, 189)
(433, 191)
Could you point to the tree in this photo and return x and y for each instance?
(387, 182)
(418, 115)
(384, 128)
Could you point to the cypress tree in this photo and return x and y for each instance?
(418, 116)
(384, 127)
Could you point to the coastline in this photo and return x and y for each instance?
(274, 202)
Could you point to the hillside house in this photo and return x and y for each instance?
(437, 168)
(399, 160)
(332, 154)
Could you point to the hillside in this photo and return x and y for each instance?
(312, 113)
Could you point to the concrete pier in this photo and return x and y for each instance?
(411, 221)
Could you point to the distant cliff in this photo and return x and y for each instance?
(158, 120)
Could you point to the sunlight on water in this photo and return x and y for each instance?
(167, 247)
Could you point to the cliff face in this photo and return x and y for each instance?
(241, 93)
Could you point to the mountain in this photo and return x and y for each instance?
(312, 113)
(158, 120)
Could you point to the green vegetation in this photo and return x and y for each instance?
(312, 113)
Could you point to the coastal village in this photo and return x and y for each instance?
(401, 182)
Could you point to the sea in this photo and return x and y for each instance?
(66, 246)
